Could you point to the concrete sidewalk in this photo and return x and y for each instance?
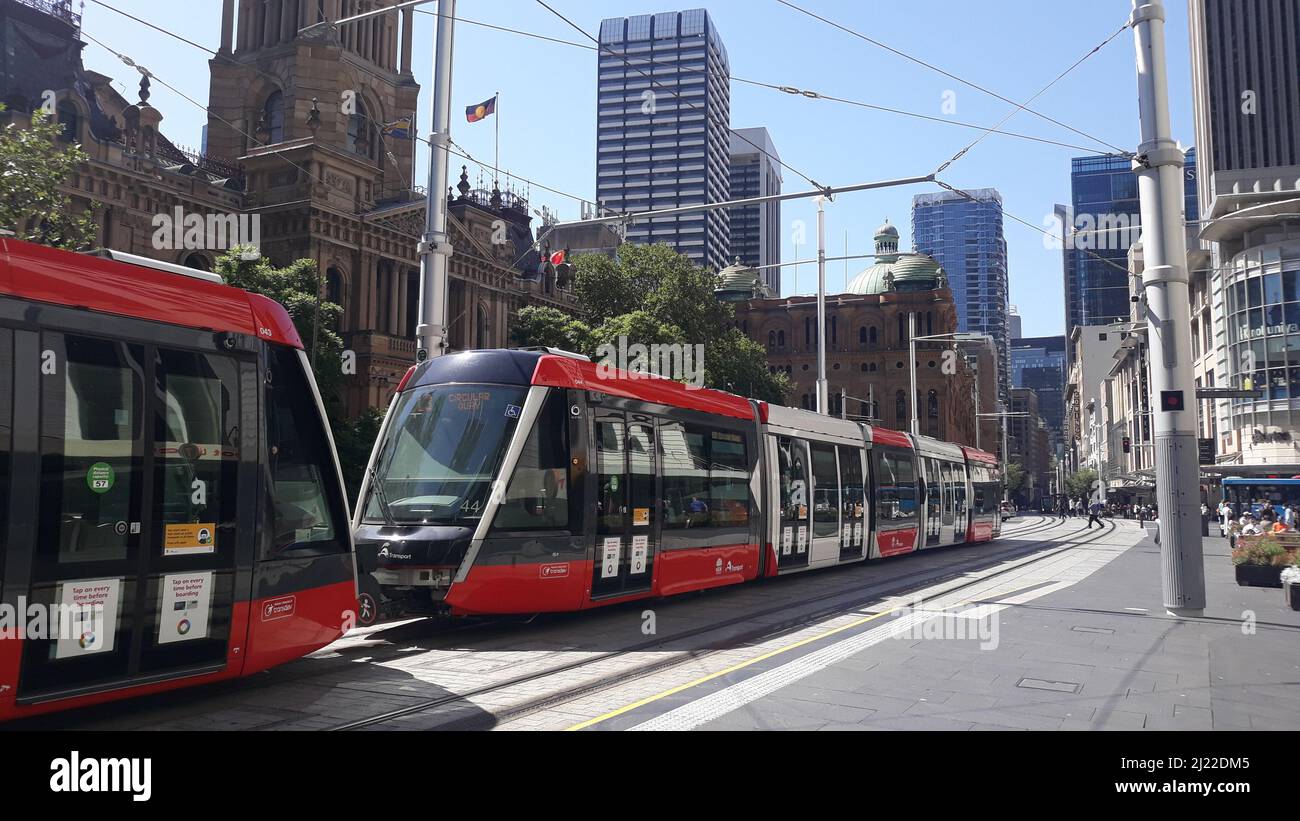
(1098, 653)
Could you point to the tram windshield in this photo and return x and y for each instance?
(444, 446)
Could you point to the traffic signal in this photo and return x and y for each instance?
(1128, 444)
(1171, 400)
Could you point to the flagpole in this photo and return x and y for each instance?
(415, 142)
(496, 108)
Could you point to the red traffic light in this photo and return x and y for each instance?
(1172, 400)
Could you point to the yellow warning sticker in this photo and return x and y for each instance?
(190, 539)
(640, 516)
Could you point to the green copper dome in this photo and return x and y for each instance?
(910, 271)
(739, 282)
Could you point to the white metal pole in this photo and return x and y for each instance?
(823, 394)
(435, 249)
(911, 368)
(1159, 167)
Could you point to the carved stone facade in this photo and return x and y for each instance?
(324, 183)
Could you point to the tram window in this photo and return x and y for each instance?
(91, 447)
(792, 458)
(851, 483)
(895, 485)
(683, 454)
(728, 479)
(197, 441)
(304, 483)
(611, 489)
(538, 495)
(826, 492)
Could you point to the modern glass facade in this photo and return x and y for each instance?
(966, 238)
(1104, 221)
(756, 229)
(1038, 363)
(663, 129)
(1262, 290)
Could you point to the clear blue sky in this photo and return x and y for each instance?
(548, 101)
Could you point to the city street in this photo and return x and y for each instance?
(1052, 627)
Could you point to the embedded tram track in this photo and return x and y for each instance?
(838, 600)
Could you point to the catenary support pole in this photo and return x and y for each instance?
(1159, 166)
(435, 249)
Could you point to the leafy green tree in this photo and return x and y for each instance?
(653, 295)
(296, 286)
(1079, 484)
(33, 164)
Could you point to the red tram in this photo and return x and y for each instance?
(165, 463)
(529, 481)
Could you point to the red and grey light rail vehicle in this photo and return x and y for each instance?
(165, 463)
(526, 481)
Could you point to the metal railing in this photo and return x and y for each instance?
(62, 9)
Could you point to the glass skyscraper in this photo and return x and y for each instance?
(756, 229)
(663, 129)
(966, 238)
(1103, 220)
(1038, 363)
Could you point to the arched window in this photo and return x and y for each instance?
(334, 286)
(932, 410)
(273, 118)
(929, 323)
(771, 339)
(780, 339)
(871, 335)
(197, 261)
(71, 122)
(900, 408)
(483, 328)
(902, 328)
(835, 330)
(362, 135)
(805, 404)
(807, 332)
(862, 335)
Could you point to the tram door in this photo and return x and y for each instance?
(627, 513)
(961, 510)
(135, 538)
(947, 529)
(795, 533)
(933, 501)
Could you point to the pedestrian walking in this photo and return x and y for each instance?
(1094, 514)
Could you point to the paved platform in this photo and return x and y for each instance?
(1081, 643)
(1055, 626)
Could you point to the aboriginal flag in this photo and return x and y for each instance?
(478, 112)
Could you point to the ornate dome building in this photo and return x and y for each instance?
(867, 330)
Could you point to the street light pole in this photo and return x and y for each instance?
(911, 368)
(1159, 166)
(435, 247)
(823, 394)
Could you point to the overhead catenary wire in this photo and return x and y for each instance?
(627, 62)
(948, 74)
(1023, 106)
(232, 61)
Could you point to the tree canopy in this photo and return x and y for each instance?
(652, 294)
(33, 164)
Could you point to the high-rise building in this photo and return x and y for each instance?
(1246, 94)
(964, 233)
(1101, 223)
(756, 229)
(1014, 328)
(663, 129)
(1038, 364)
